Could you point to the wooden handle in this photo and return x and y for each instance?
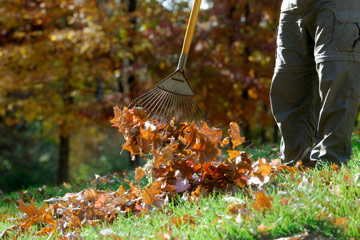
(191, 27)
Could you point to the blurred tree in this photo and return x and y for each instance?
(56, 64)
(26, 157)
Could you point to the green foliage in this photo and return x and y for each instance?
(25, 157)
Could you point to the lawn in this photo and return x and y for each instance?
(321, 203)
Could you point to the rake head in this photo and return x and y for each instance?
(173, 97)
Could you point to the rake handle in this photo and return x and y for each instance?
(191, 27)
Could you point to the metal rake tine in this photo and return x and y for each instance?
(198, 112)
(175, 108)
(139, 100)
(180, 109)
(136, 100)
(146, 97)
(192, 108)
(184, 108)
(171, 103)
(156, 100)
(188, 108)
(159, 104)
(166, 104)
(147, 105)
(186, 111)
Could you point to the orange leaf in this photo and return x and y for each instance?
(263, 229)
(235, 208)
(189, 137)
(262, 201)
(236, 139)
(233, 154)
(264, 168)
(148, 198)
(31, 210)
(225, 141)
(139, 174)
(340, 221)
(47, 218)
(184, 220)
(100, 202)
(46, 230)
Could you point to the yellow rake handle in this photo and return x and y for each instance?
(191, 27)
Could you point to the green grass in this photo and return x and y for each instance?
(297, 206)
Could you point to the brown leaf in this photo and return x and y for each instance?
(264, 169)
(30, 210)
(184, 220)
(181, 185)
(233, 154)
(100, 202)
(149, 198)
(263, 229)
(139, 174)
(47, 218)
(224, 142)
(46, 230)
(262, 201)
(189, 135)
(340, 222)
(236, 208)
(236, 139)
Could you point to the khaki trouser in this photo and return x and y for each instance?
(316, 85)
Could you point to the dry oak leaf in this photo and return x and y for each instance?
(236, 208)
(149, 197)
(165, 155)
(181, 185)
(236, 139)
(262, 201)
(340, 222)
(224, 142)
(31, 210)
(184, 220)
(189, 135)
(233, 154)
(263, 229)
(207, 141)
(100, 201)
(47, 230)
(264, 168)
(139, 174)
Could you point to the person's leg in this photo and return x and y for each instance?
(294, 88)
(340, 94)
(335, 26)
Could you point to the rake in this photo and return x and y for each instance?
(173, 96)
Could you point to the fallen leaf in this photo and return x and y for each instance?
(100, 202)
(262, 201)
(263, 229)
(139, 174)
(236, 139)
(181, 185)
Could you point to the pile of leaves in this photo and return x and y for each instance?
(182, 159)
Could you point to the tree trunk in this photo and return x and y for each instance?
(64, 129)
(64, 153)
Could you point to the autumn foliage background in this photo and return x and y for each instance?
(64, 65)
